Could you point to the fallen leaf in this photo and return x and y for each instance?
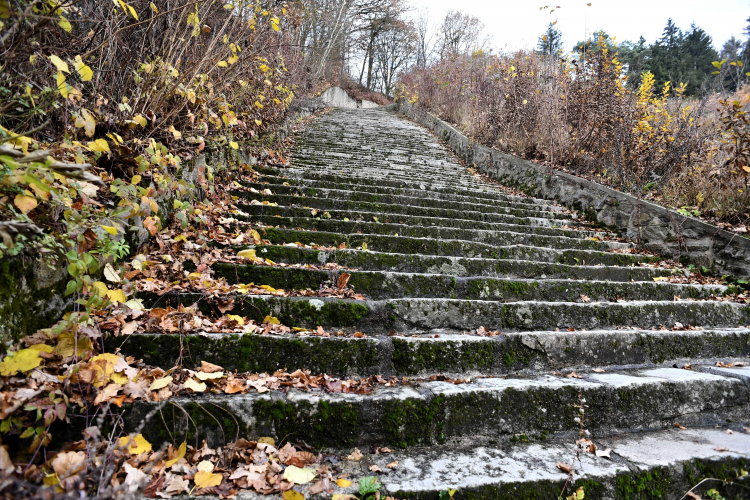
(209, 376)
(355, 455)
(204, 479)
(566, 468)
(135, 445)
(180, 453)
(293, 495)
(194, 386)
(176, 485)
(375, 468)
(721, 448)
(247, 254)
(299, 476)
(206, 466)
(680, 426)
(392, 465)
(160, 383)
(267, 440)
(68, 463)
(6, 465)
(272, 320)
(25, 203)
(135, 478)
(343, 483)
(605, 453)
(23, 360)
(598, 370)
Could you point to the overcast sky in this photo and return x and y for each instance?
(517, 24)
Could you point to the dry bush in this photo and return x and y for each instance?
(579, 115)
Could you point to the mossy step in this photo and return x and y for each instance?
(387, 284)
(411, 206)
(334, 220)
(428, 246)
(649, 465)
(273, 182)
(440, 354)
(436, 412)
(456, 266)
(486, 191)
(415, 315)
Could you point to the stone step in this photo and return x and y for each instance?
(421, 315)
(428, 246)
(427, 413)
(664, 464)
(389, 284)
(413, 206)
(458, 356)
(457, 266)
(286, 185)
(300, 178)
(390, 224)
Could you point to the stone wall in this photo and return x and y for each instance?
(661, 229)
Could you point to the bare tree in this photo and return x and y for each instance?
(424, 40)
(395, 50)
(460, 33)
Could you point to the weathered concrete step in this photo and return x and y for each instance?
(277, 185)
(649, 465)
(308, 186)
(420, 315)
(452, 355)
(365, 222)
(430, 246)
(387, 284)
(487, 191)
(413, 206)
(382, 173)
(437, 412)
(457, 266)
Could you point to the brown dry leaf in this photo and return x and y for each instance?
(343, 280)
(108, 393)
(174, 486)
(566, 468)
(207, 367)
(598, 370)
(680, 426)
(234, 385)
(355, 455)
(573, 375)
(721, 448)
(135, 478)
(68, 463)
(6, 465)
(392, 465)
(386, 450)
(375, 468)
(585, 298)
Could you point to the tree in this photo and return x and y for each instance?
(551, 42)
(634, 57)
(592, 44)
(424, 40)
(395, 49)
(459, 34)
(732, 71)
(665, 63)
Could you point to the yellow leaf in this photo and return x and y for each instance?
(132, 12)
(236, 318)
(205, 479)
(153, 7)
(206, 466)
(662, 278)
(234, 145)
(117, 296)
(61, 65)
(222, 64)
(68, 344)
(102, 287)
(299, 476)
(61, 85)
(140, 120)
(100, 145)
(65, 24)
(364, 246)
(247, 254)
(264, 68)
(25, 203)
(209, 376)
(136, 445)
(177, 134)
(43, 348)
(110, 229)
(267, 440)
(86, 120)
(258, 122)
(85, 71)
(293, 495)
(194, 386)
(180, 454)
(119, 378)
(344, 483)
(160, 383)
(228, 6)
(194, 276)
(272, 320)
(23, 360)
(136, 179)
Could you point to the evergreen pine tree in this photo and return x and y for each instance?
(697, 54)
(550, 43)
(634, 57)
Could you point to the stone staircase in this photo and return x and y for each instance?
(507, 313)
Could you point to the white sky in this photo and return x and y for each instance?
(517, 24)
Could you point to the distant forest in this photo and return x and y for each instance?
(677, 56)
